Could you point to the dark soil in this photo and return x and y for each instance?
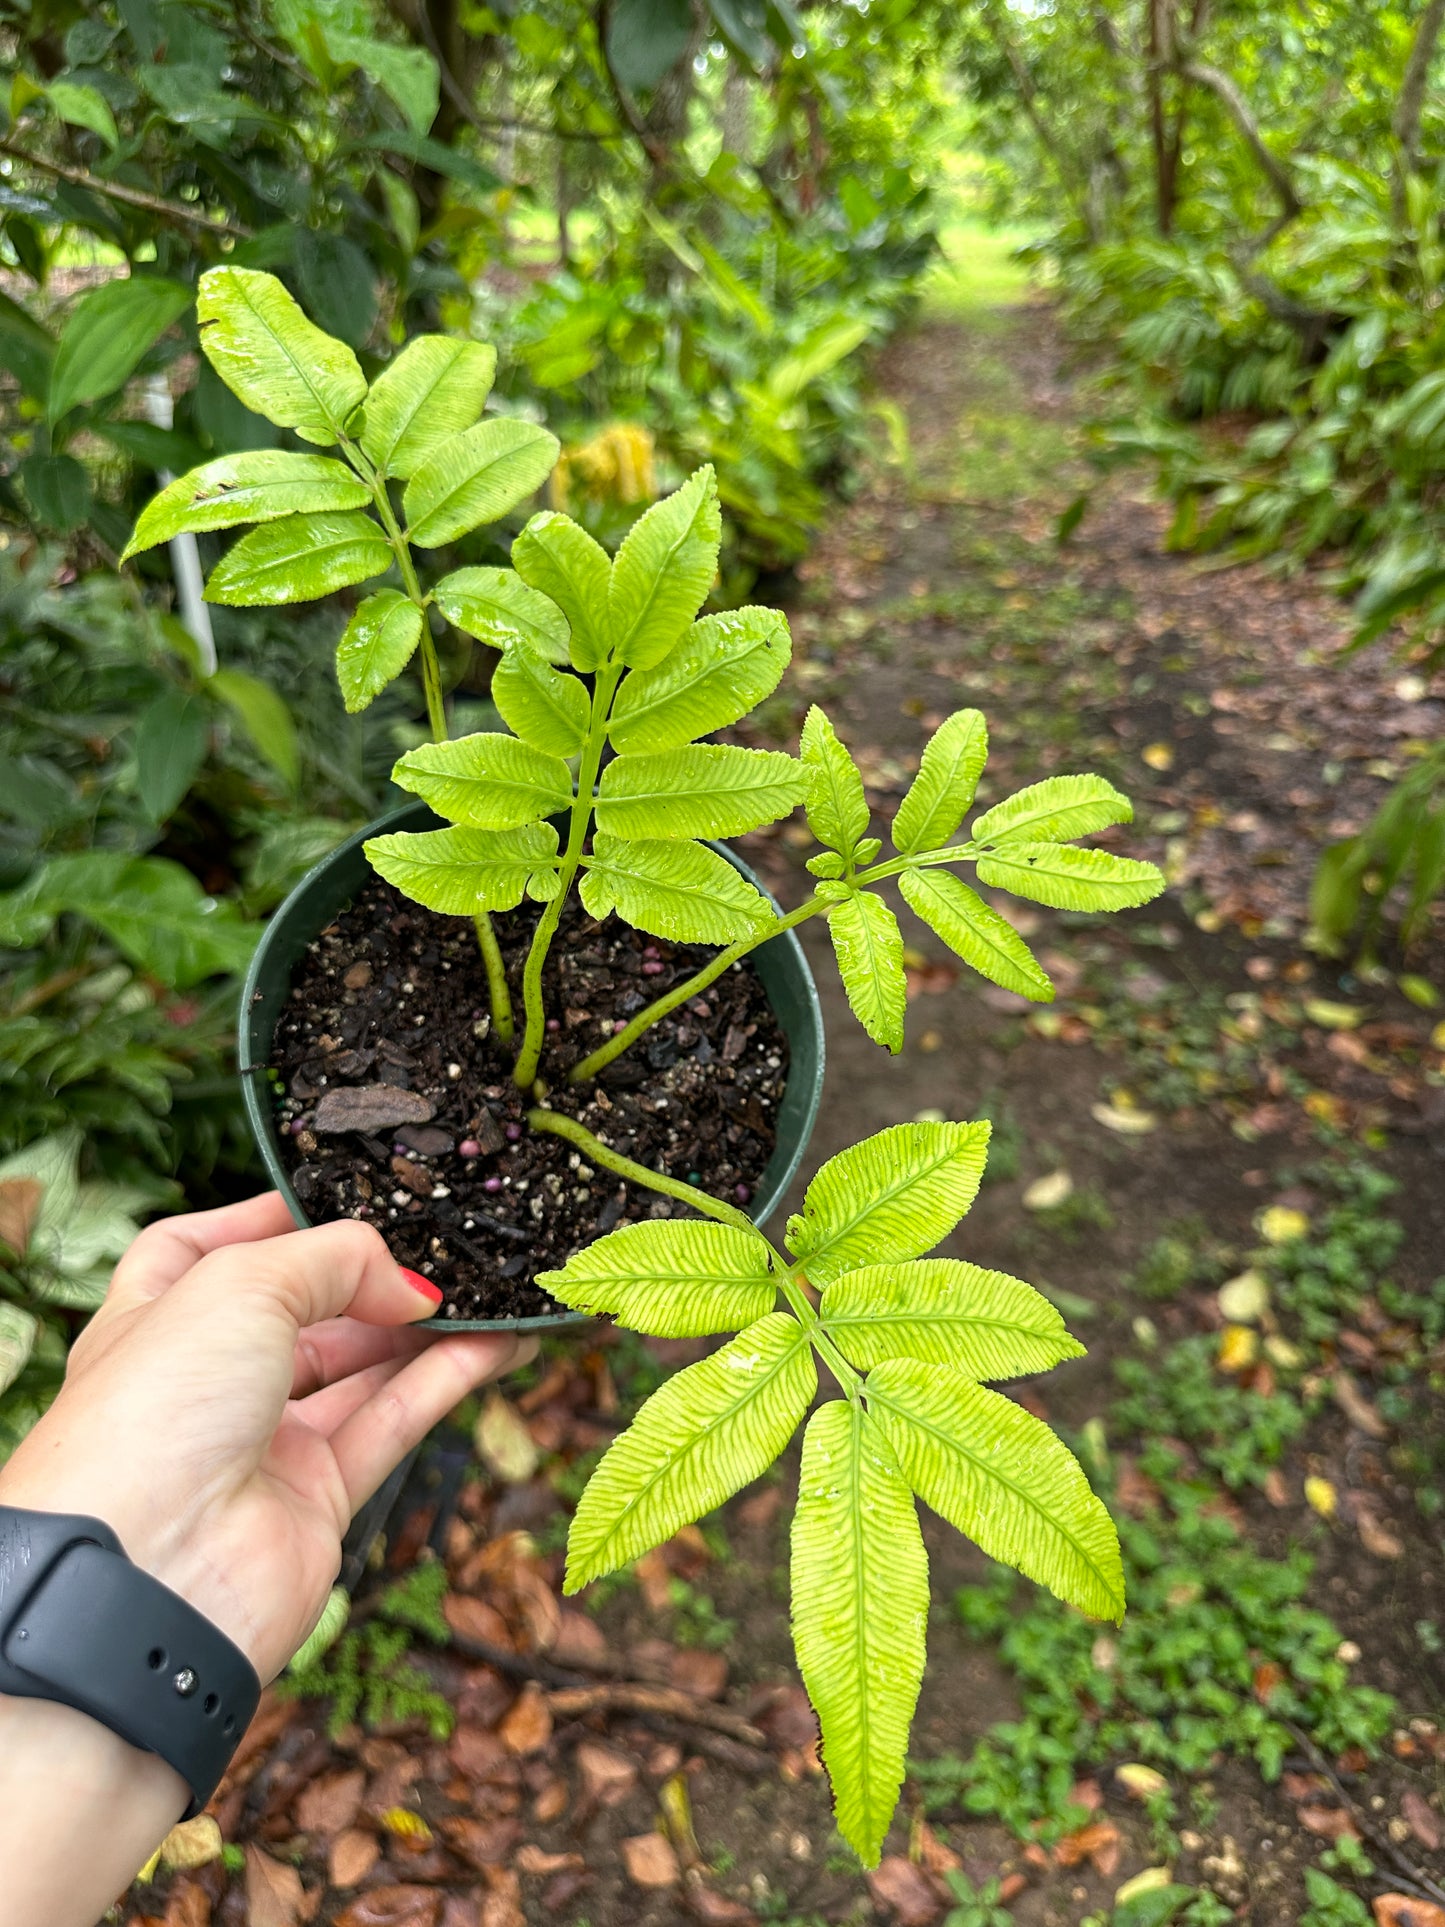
(399, 1107)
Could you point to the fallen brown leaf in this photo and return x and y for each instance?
(654, 1581)
(272, 1717)
(650, 1861)
(330, 1805)
(563, 1888)
(273, 1891)
(352, 1857)
(1399, 1910)
(580, 1640)
(475, 1752)
(397, 1906)
(483, 1844)
(528, 1726)
(1356, 1407)
(551, 1802)
(188, 1905)
(707, 1904)
(694, 1671)
(897, 1883)
(535, 1860)
(1422, 1819)
(761, 1508)
(475, 1619)
(503, 1910)
(1097, 1843)
(461, 1910)
(1268, 1678)
(1376, 1538)
(607, 1775)
(1330, 1823)
(933, 1854)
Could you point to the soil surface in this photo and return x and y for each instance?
(399, 1107)
(644, 1756)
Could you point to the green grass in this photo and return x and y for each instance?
(976, 269)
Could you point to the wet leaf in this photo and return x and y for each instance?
(504, 1445)
(274, 1894)
(650, 1861)
(353, 1855)
(1245, 1299)
(897, 1883)
(1047, 1192)
(1322, 1496)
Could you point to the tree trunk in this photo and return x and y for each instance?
(1411, 104)
(1159, 33)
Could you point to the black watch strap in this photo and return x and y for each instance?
(81, 1625)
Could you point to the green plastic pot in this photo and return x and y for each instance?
(324, 892)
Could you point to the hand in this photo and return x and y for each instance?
(241, 1391)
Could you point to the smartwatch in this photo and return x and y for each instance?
(81, 1625)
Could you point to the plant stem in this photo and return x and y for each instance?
(560, 1125)
(622, 1040)
(788, 1281)
(500, 995)
(530, 1054)
(431, 671)
(436, 711)
(807, 1317)
(710, 972)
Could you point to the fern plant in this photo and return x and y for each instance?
(608, 681)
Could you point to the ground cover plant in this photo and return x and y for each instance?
(907, 1342)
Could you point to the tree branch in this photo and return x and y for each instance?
(128, 196)
(1237, 108)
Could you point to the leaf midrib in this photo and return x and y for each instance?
(322, 404)
(477, 474)
(925, 839)
(914, 1176)
(909, 1417)
(796, 1344)
(986, 929)
(457, 348)
(619, 643)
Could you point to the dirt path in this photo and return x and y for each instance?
(1280, 1502)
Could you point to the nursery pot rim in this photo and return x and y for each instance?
(276, 957)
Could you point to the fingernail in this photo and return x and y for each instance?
(424, 1285)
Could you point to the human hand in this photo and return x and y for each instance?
(244, 1387)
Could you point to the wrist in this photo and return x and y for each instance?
(168, 1549)
(65, 1778)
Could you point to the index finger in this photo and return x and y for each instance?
(166, 1250)
(306, 1277)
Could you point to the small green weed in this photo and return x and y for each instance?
(978, 1906)
(1331, 1905)
(1235, 1432)
(367, 1674)
(1183, 1258)
(1178, 1683)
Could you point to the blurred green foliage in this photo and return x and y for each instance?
(1243, 207)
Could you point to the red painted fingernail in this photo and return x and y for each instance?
(423, 1285)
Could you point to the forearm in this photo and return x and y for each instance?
(80, 1814)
